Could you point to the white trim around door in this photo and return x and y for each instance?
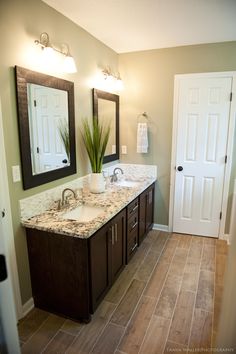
(230, 142)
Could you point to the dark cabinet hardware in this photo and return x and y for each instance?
(180, 168)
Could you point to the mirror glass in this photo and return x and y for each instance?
(107, 114)
(46, 127)
(49, 128)
(106, 110)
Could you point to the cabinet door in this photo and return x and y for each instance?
(146, 207)
(118, 233)
(149, 208)
(40, 267)
(142, 216)
(100, 260)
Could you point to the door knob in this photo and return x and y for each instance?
(180, 168)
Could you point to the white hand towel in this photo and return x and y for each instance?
(142, 138)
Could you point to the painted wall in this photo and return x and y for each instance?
(21, 22)
(149, 80)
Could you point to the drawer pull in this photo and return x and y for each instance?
(133, 248)
(116, 233)
(134, 208)
(112, 235)
(134, 225)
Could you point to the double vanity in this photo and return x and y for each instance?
(76, 252)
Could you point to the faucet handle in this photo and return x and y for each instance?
(58, 204)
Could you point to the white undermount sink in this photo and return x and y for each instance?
(127, 183)
(84, 213)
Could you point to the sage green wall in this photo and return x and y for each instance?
(21, 22)
(149, 86)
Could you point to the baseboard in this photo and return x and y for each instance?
(28, 306)
(161, 227)
(226, 237)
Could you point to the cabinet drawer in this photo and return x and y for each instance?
(132, 243)
(132, 208)
(132, 223)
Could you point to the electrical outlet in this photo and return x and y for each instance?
(124, 149)
(16, 173)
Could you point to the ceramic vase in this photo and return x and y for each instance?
(97, 183)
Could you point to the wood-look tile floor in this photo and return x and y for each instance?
(167, 299)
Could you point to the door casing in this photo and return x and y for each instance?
(230, 142)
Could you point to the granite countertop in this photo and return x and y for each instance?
(113, 200)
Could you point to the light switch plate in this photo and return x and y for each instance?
(16, 173)
(124, 149)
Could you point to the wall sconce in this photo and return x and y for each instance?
(68, 63)
(113, 79)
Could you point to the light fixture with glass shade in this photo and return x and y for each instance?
(113, 79)
(69, 65)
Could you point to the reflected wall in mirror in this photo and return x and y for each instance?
(106, 109)
(46, 127)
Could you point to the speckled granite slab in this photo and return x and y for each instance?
(40, 211)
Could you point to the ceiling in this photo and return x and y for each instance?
(134, 25)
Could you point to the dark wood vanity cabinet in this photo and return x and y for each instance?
(146, 212)
(70, 276)
(107, 257)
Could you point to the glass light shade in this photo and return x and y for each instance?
(119, 85)
(48, 52)
(69, 65)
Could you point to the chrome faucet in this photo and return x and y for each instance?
(64, 200)
(114, 177)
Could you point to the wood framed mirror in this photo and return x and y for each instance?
(46, 127)
(106, 109)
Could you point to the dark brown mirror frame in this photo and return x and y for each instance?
(109, 97)
(23, 77)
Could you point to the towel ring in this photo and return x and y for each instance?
(144, 114)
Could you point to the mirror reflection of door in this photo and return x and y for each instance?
(107, 115)
(48, 115)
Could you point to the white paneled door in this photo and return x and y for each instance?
(203, 120)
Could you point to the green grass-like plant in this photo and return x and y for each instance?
(95, 139)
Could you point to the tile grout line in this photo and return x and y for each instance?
(37, 330)
(214, 298)
(42, 351)
(159, 257)
(195, 301)
(181, 283)
(157, 300)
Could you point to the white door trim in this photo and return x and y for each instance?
(230, 74)
(7, 226)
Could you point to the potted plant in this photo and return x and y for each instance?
(95, 137)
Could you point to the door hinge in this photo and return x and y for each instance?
(226, 158)
(231, 96)
(35, 103)
(220, 215)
